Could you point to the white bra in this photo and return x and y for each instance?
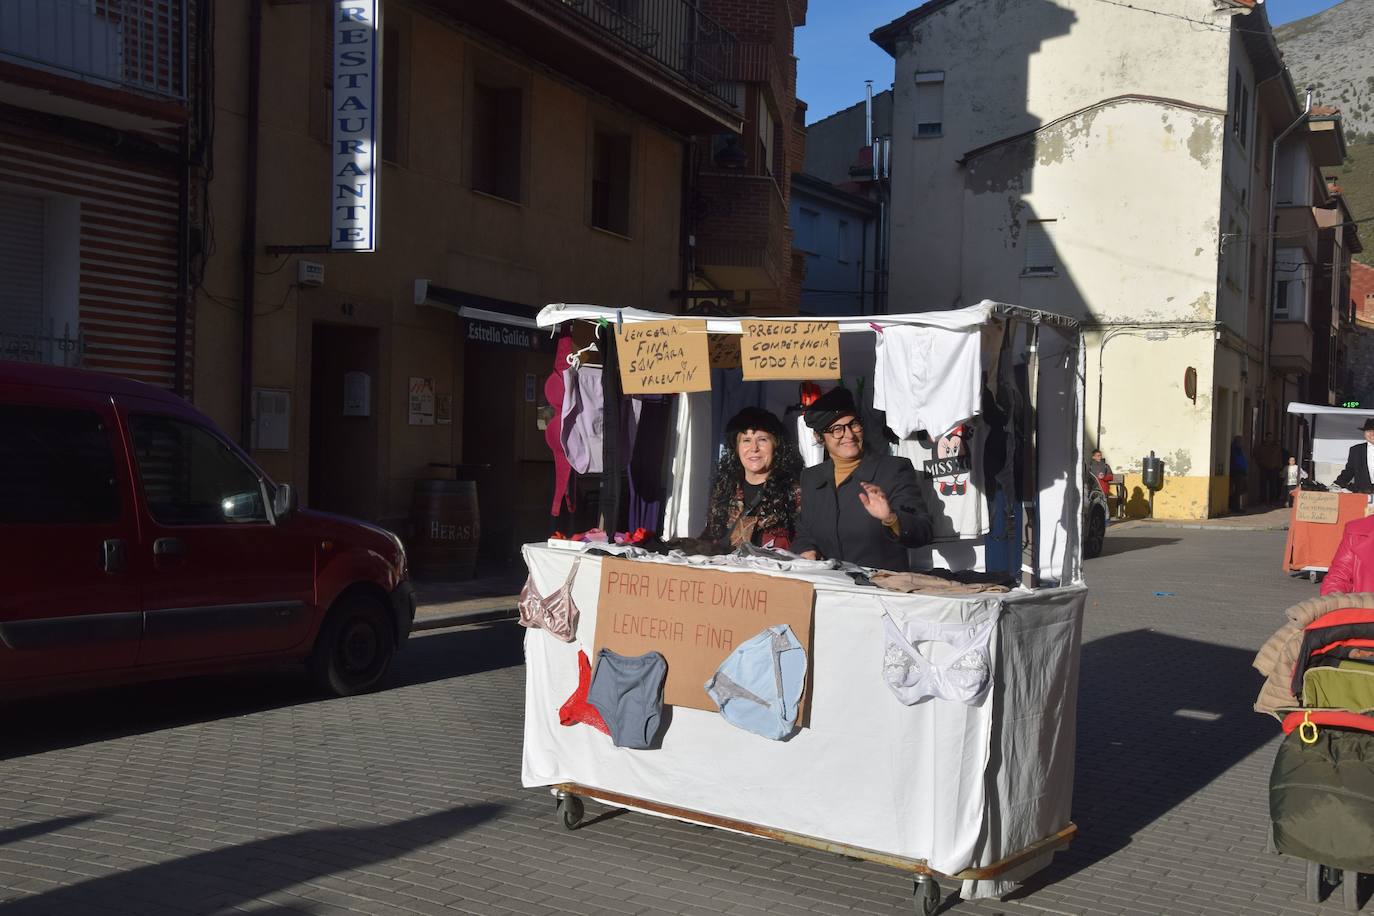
(914, 678)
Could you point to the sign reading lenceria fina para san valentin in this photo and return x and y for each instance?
(356, 115)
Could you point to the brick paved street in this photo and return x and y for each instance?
(246, 795)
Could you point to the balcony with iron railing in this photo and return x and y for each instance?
(664, 59)
(676, 33)
(126, 46)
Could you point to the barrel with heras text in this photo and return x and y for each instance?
(443, 544)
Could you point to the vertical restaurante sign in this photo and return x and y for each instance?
(356, 126)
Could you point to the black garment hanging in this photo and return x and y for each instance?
(612, 462)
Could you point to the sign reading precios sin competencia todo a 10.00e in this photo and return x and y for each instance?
(796, 350)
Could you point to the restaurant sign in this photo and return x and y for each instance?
(355, 117)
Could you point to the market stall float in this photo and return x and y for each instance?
(933, 731)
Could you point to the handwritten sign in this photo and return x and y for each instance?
(1321, 508)
(724, 351)
(664, 357)
(695, 618)
(800, 350)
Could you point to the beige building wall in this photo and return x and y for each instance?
(1101, 132)
(431, 225)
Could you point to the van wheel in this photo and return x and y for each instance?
(1097, 534)
(355, 647)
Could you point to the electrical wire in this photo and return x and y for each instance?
(1145, 9)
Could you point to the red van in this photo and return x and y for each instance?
(138, 542)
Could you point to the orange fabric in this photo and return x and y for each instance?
(1313, 544)
(1341, 618)
(1358, 643)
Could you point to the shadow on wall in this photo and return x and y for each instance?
(1138, 506)
(1160, 718)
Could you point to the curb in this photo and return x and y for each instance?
(461, 619)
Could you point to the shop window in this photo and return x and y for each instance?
(930, 103)
(611, 177)
(497, 139)
(59, 468)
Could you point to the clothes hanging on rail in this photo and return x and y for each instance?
(927, 379)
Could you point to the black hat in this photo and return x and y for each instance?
(829, 407)
(755, 418)
(1368, 424)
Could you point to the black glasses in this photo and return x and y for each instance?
(838, 430)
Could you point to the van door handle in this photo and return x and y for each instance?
(169, 547)
(112, 555)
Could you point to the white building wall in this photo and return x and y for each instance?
(1114, 123)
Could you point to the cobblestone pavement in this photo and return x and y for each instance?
(247, 795)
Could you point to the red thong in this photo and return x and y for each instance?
(577, 710)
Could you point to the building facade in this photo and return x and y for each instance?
(835, 230)
(1113, 163)
(101, 143)
(531, 151)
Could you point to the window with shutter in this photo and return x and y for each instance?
(930, 103)
(1041, 258)
(23, 315)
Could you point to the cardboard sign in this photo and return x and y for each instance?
(724, 351)
(1321, 508)
(664, 357)
(796, 350)
(695, 618)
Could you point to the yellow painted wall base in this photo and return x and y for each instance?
(1180, 498)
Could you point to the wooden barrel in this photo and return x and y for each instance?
(447, 529)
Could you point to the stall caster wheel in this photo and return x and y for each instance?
(570, 811)
(926, 896)
(1351, 883)
(1317, 879)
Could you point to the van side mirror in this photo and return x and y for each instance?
(283, 501)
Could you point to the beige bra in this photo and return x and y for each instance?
(556, 613)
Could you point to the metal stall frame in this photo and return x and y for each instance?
(926, 893)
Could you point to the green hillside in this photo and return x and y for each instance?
(1357, 184)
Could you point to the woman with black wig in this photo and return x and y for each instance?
(756, 493)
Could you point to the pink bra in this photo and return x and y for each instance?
(557, 613)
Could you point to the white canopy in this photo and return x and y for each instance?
(953, 319)
(1334, 430)
(1310, 409)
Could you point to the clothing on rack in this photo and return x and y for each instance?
(556, 612)
(692, 460)
(947, 471)
(584, 420)
(914, 677)
(930, 583)
(628, 692)
(649, 462)
(615, 449)
(577, 711)
(759, 685)
(927, 379)
(812, 452)
(554, 392)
